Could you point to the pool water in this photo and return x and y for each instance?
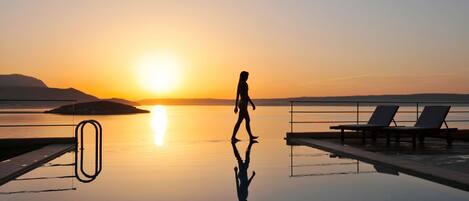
(183, 153)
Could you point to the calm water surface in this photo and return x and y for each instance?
(183, 153)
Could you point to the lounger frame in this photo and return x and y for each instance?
(381, 118)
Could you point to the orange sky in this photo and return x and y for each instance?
(310, 48)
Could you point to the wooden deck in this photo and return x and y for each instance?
(21, 164)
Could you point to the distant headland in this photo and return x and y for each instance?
(97, 108)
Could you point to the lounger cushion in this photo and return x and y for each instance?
(383, 115)
(432, 116)
(430, 120)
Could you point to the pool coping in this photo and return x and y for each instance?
(8, 143)
(439, 175)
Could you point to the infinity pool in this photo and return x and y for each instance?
(182, 153)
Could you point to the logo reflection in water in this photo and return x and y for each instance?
(159, 122)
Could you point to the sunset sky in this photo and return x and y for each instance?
(290, 48)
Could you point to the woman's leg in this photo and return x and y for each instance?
(248, 126)
(236, 127)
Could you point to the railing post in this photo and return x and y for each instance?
(358, 166)
(291, 116)
(291, 160)
(417, 111)
(73, 115)
(358, 112)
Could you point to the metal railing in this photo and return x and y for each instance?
(36, 112)
(358, 110)
(80, 173)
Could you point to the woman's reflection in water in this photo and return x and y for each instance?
(241, 172)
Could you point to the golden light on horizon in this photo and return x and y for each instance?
(159, 122)
(160, 74)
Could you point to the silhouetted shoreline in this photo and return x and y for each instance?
(16, 86)
(430, 97)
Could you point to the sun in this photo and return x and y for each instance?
(160, 73)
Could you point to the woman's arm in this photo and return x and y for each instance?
(252, 103)
(236, 178)
(237, 98)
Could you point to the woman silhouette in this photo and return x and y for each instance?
(243, 106)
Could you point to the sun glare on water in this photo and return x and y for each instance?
(159, 122)
(160, 73)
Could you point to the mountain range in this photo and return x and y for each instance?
(16, 86)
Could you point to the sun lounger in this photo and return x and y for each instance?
(429, 122)
(381, 118)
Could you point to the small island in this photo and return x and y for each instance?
(97, 108)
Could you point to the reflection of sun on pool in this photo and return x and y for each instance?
(159, 122)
